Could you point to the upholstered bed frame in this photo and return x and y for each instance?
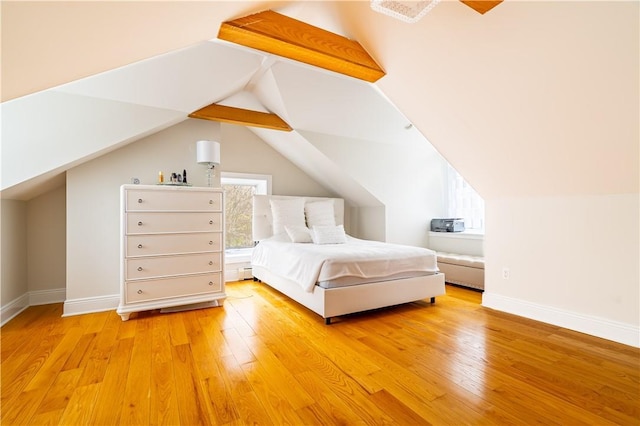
(334, 302)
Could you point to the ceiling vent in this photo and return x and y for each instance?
(413, 11)
(407, 11)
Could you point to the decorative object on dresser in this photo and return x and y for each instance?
(208, 153)
(172, 248)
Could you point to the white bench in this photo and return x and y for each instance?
(462, 269)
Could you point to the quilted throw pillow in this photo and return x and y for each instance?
(299, 234)
(329, 235)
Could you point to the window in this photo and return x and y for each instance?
(463, 201)
(239, 189)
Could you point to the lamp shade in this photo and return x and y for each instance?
(208, 152)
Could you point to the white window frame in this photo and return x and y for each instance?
(463, 201)
(262, 182)
(263, 186)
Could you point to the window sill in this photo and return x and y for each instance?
(466, 235)
(238, 255)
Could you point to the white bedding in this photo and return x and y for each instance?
(307, 264)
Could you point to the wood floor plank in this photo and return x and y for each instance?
(278, 373)
(342, 352)
(54, 363)
(110, 398)
(328, 407)
(135, 408)
(275, 404)
(97, 361)
(12, 340)
(397, 410)
(19, 370)
(264, 359)
(238, 346)
(293, 354)
(314, 415)
(584, 394)
(194, 405)
(163, 405)
(201, 351)
(547, 408)
(245, 325)
(49, 418)
(349, 390)
(160, 339)
(251, 410)
(22, 408)
(81, 350)
(230, 391)
(215, 339)
(81, 403)
(57, 397)
(177, 331)
(221, 396)
(233, 375)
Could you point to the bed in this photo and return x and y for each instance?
(328, 271)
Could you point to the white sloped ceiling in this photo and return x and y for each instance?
(184, 80)
(542, 84)
(80, 120)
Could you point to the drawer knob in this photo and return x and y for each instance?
(139, 245)
(139, 291)
(210, 282)
(139, 223)
(139, 268)
(211, 262)
(210, 222)
(210, 201)
(139, 200)
(210, 243)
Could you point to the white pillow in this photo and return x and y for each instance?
(285, 212)
(329, 235)
(299, 234)
(320, 213)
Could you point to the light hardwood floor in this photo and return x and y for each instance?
(263, 359)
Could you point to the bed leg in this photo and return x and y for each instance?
(327, 321)
(433, 300)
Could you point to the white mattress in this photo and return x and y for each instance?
(355, 262)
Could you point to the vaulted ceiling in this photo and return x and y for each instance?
(517, 82)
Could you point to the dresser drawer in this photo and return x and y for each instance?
(141, 291)
(151, 245)
(168, 200)
(149, 223)
(153, 267)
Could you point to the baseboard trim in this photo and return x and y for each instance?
(46, 297)
(89, 305)
(30, 298)
(595, 326)
(13, 308)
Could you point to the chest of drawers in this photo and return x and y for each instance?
(172, 248)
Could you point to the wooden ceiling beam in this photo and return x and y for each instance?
(482, 6)
(244, 117)
(274, 33)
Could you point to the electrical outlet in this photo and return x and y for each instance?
(505, 273)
